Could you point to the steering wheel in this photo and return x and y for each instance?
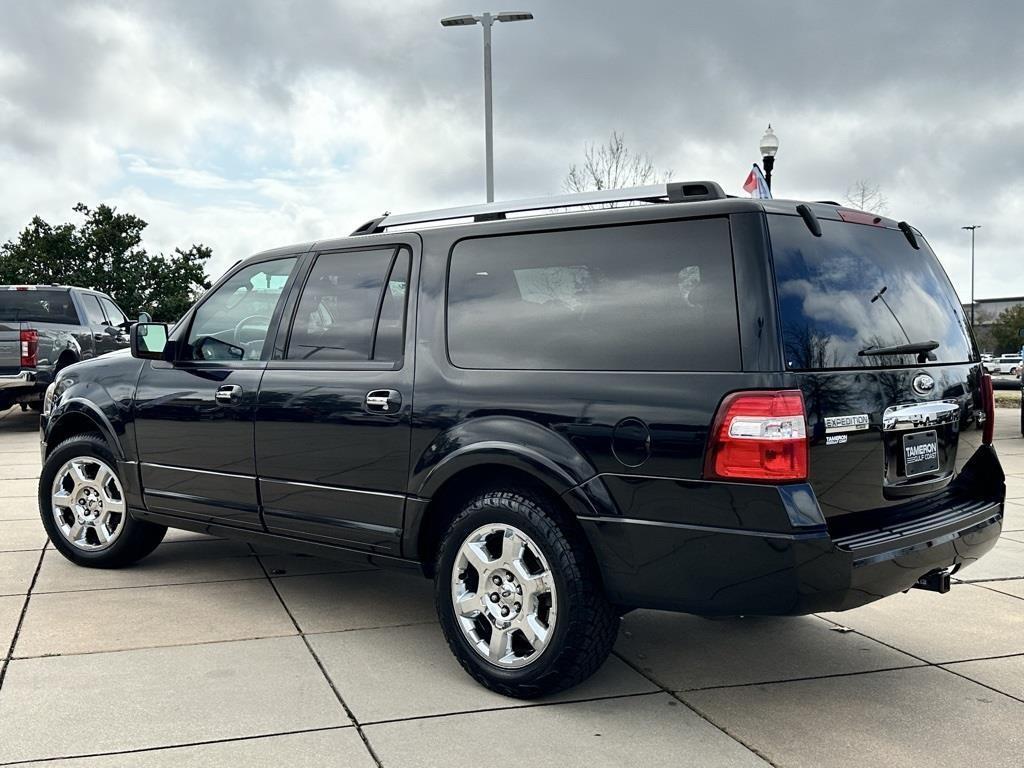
(248, 322)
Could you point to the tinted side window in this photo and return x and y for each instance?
(114, 315)
(37, 306)
(233, 322)
(93, 311)
(654, 297)
(390, 339)
(335, 316)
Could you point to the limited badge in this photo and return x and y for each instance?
(852, 423)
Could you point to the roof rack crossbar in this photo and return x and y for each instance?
(670, 192)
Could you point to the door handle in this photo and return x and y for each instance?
(99, 336)
(383, 401)
(229, 393)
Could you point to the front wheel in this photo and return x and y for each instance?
(84, 509)
(519, 596)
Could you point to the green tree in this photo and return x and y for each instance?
(1006, 329)
(105, 252)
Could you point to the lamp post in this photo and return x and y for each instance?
(972, 227)
(487, 20)
(769, 146)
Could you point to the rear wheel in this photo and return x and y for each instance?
(84, 510)
(519, 596)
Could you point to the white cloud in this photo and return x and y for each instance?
(280, 122)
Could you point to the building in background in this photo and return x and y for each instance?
(985, 313)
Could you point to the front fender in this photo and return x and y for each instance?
(512, 442)
(89, 409)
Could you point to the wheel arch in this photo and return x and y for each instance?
(77, 417)
(68, 356)
(429, 518)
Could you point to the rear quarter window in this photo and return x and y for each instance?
(651, 297)
(37, 307)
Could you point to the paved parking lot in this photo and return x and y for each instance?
(212, 653)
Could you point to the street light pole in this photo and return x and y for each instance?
(972, 228)
(487, 20)
(769, 146)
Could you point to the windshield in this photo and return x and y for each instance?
(37, 307)
(847, 296)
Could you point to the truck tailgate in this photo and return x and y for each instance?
(10, 348)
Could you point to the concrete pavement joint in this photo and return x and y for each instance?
(693, 709)
(21, 620)
(323, 670)
(781, 680)
(999, 591)
(197, 643)
(162, 747)
(512, 707)
(194, 583)
(988, 581)
(939, 664)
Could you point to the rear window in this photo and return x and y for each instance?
(654, 297)
(859, 287)
(37, 307)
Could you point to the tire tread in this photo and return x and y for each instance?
(138, 539)
(594, 623)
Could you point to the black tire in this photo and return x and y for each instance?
(587, 623)
(135, 538)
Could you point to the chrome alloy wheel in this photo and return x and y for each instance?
(504, 595)
(88, 503)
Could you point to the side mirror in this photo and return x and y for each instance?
(148, 340)
(145, 317)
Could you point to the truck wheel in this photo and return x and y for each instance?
(519, 596)
(83, 507)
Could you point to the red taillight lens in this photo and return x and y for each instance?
(759, 436)
(988, 403)
(29, 348)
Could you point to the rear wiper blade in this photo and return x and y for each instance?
(916, 347)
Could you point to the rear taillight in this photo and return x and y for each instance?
(988, 404)
(759, 436)
(29, 348)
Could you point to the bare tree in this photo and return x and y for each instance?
(866, 196)
(612, 166)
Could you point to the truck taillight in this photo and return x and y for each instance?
(988, 403)
(759, 436)
(29, 348)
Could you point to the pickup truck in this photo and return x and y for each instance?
(44, 328)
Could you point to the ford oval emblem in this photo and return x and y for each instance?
(923, 384)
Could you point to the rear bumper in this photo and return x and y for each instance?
(22, 387)
(727, 572)
(745, 569)
(20, 379)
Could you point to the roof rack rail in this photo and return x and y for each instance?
(670, 192)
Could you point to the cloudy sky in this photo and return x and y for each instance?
(246, 125)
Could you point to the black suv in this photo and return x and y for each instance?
(688, 402)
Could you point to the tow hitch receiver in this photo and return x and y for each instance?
(936, 581)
